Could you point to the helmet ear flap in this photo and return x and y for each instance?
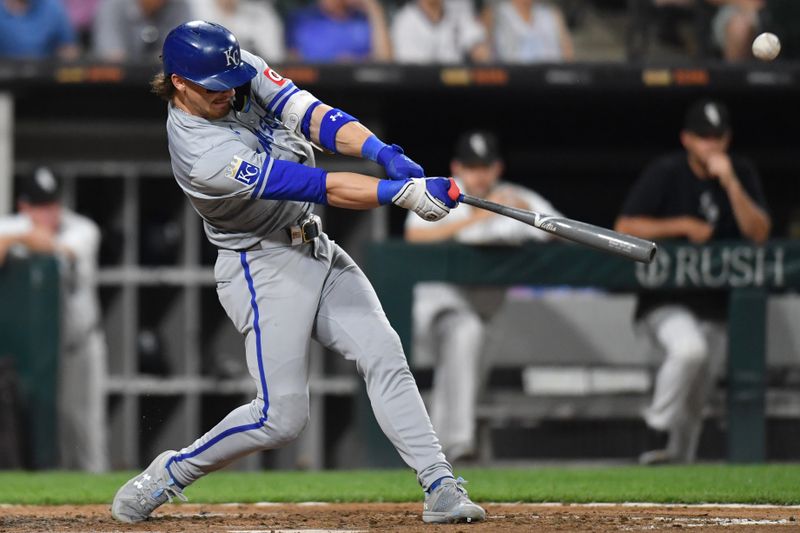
(242, 98)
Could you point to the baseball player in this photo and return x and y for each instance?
(42, 225)
(699, 194)
(240, 139)
(446, 323)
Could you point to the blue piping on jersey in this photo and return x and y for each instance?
(274, 101)
(260, 179)
(279, 109)
(261, 421)
(259, 186)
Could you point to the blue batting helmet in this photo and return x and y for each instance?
(207, 54)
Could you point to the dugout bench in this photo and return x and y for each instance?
(750, 273)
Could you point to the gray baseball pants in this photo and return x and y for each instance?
(279, 298)
(448, 330)
(82, 435)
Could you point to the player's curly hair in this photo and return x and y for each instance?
(161, 85)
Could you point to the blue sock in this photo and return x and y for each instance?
(437, 483)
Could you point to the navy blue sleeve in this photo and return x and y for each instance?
(286, 180)
(645, 197)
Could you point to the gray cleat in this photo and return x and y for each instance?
(449, 503)
(140, 496)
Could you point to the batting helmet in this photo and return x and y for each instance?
(207, 54)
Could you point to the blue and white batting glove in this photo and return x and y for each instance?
(430, 198)
(398, 166)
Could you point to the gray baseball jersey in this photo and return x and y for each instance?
(217, 163)
(280, 296)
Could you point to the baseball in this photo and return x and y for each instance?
(766, 46)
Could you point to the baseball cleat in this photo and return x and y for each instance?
(449, 504)
(141, 495)
(657, 457)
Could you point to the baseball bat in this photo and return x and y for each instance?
(590, 235)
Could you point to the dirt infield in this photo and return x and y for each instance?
(261, 518)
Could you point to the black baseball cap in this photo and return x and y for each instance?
(708, 118)
(41, 187)
(477, 148)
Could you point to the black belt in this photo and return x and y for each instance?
(304, 232)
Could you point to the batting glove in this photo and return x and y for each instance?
(430, 198)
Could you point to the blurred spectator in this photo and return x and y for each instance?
(682, 26)
(255, 23)
(81, 14)
(438, 31)
(446, 323)
(43, 226)
(670, 14)
(36, 29)
(134, 30)
(339, 30)
(700, 194)
(528, 31)
(734, 27)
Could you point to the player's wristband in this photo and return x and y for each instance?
(372, 147)
(388, 189)
(332, 122)
(305, 125)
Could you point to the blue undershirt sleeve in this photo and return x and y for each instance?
(286, 180)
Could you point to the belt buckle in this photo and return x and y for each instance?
(296, 235)
(311, 224)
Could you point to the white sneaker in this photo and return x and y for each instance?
(141, 495)
(449, 503)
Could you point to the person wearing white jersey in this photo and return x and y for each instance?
(438, 31)
(43, 226)
(446, 323)
(256, 24)
(240, 139)
(529, 31)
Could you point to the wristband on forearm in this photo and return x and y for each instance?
(372, 147)
(388, 189)
(332, 122)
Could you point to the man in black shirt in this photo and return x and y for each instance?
(699, 194)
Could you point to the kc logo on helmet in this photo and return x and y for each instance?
(231, 57)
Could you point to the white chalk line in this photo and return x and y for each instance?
(646, 505)
(497, 504)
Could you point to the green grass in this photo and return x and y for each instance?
(775, 484)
